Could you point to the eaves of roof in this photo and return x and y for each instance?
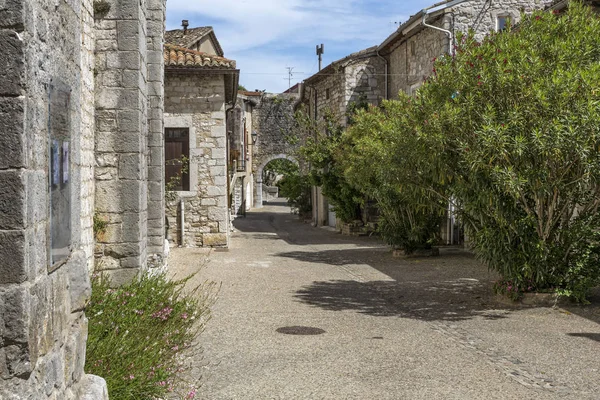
(366, 53)
(406, 28)
(191, 36)
(180, 57)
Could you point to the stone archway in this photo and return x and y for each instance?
(258, 189)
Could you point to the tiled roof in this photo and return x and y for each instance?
(192, 35)
(176, 56)
(247, 93)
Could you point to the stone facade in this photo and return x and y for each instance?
(46, 83)
(273, 121)
(240, 128)
(197, 101)
(410, 50)
(129, 157)
(355, 78)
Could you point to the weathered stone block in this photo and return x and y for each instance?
(13, 265)
(12, 147)
(214, 239)
(12, 200)
(129, 120)
(128, 35)
(11, 63)
(92, 387)
(130, 166)
(15, 315)
(18, 361)
(11, 14)
(117, 98)
(124, 60)
(80, 288)
(120, 277)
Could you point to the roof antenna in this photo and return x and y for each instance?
(185, 25)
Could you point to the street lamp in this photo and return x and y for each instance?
(254, 137)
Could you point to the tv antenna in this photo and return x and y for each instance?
(291, 75)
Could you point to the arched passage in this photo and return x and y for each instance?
(258, 189)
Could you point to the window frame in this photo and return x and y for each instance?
(185, 179)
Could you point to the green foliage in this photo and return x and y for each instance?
(515, 124)
(296, 188)
(140, 334)
(386, 156)
(321, 145)
(99, 226)
(175, 181)
(242, 88)
(278, 167)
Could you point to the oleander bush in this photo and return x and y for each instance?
(141, 334)
(507, 129)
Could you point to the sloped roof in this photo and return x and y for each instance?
(369, 52)
(177, 56)
(249, 93)
(192, 36)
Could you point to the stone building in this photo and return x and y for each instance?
(356, 78)
(199, 89)
(410, 51)
(80, 111)
(241, 140)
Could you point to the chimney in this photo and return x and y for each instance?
(185, 25)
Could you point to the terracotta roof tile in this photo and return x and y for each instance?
(192, 35)
(247, 93)
(176, 56)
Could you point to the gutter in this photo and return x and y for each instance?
(439, 7)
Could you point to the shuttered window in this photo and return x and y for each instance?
(177, 148)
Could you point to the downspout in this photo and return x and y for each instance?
(446, 31)
(386, 75)
(439, 7)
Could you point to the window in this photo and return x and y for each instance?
(327, 94)
(413, 48)
(502, 22)
(177, 152)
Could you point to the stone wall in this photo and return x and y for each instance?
(129, 137)
(156, 165)
(408, 70)
(272, 120)
(46, 78)
(196, 101)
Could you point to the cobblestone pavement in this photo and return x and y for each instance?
(388, 328)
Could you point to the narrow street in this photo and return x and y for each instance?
(305, 313)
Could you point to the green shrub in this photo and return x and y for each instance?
(384, 155)
(140, 334)
(514, 121)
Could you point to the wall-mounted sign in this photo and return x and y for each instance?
(59, 128)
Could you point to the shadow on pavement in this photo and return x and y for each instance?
(592, 336)
(443, 301)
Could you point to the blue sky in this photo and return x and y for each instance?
(266, 36)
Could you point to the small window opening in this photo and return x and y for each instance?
(177, 152)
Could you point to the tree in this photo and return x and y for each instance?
(515, 122)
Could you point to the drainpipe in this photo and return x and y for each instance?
(386, 93)
(439, 7)
(182, 222)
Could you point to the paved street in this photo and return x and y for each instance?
(387, 328)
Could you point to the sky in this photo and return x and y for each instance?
(265, 37)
